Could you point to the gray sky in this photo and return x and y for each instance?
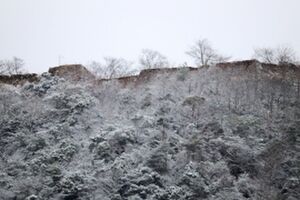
(39, 31)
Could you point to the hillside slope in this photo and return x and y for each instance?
(231, 131)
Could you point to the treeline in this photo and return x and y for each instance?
(202, 52)
(12, 66)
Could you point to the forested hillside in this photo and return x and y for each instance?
(224, 132)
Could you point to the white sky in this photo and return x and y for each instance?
(39, 31)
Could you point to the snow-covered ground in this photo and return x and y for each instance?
(212, 133)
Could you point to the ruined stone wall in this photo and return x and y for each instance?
(74, 72)
(18, 79)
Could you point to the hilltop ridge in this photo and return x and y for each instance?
(77, 72)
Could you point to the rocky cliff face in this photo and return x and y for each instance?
(231, 131)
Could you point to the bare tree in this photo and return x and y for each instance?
(280, 55)
(10, 67)
(266, 55)
(111, 68)
(96, 68)
(204, 55)
(150, 59)
(285, 54)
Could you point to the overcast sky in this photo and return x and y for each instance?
(79, 31)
